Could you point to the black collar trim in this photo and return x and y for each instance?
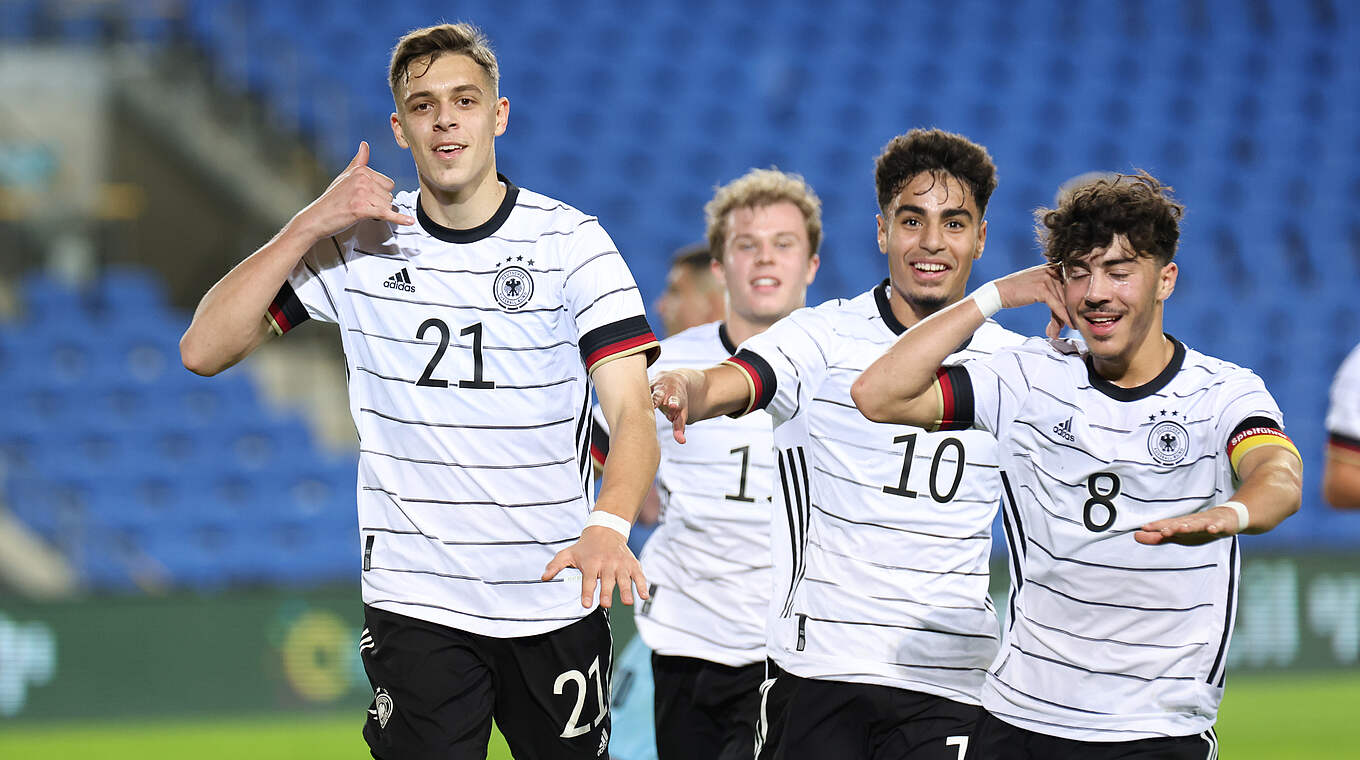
(1146, 389)
(480, 232)
(885, 310)
(726, 339)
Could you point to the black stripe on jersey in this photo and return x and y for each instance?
(1055, 661)
(1123, 494)
(362, 368)
(396, 502)
(288, 302)
(997, 677)
(1195, 392)
(535, 270)
(458, 345)
(797, 383)
(549, 233)
(1047, 551)
(1065, 632)
(525, 466)
(498, 385)
(837, 403)
(380, 254)
(1228, 618)
(906, 628)
(604, 337)
(1064, 518)
(393, 531)
(1015, 539)
(795, 507)
(324, 289)
(559, 207)
(1108, 429)
(1119, 606)
(340, 253)
(717, 463)
(587, 261)
(358, 292)
(525, 542)
(599, 438)
(456, 577)
(479, 502)
(932, 605)
(976, 537)
(584, 428)
(923, 666)
(886, 566)
(1252, 422)
(957, 387)
(401, 421)
(603, 296)
(1064, 402)
(377, 602)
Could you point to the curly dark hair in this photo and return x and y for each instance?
(937, 152)
(1089, 215)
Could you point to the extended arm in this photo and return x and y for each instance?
(1271, 490)
(691, 395)
(900, 385)
(230, 321)
(602, 553)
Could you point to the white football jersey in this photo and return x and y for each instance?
(1343, 415)
(881, 533)
(1109, 639)
(468, 355)
(708, 563)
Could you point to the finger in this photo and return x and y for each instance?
(1054, 328)
(606, 580)
(625, 584)
(559, 563)
(360, 156)
(395, 217)
(678, 428)
(588, 588)
(658, 394)
(384, 181)
(1149, 537)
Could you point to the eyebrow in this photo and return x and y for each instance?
(946, 214)
(426, 93)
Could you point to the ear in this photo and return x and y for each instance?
(1166, 284)
(715, 266)
(398, 134)
(982, 239)
(882, 234)
(502, 115)
(813, 262)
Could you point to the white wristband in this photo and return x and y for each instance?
(610, 520)
(988, 299)
(1241, 510)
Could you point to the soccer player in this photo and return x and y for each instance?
(709, 561)
(475, 316)
(1341, 472)
(693, 294)
(881, 628)
(1131, 463)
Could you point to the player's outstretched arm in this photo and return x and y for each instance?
(230, 321)
(1272, 489)
(691, 395)
(900, 385)
(1341, 478)
(602, 553)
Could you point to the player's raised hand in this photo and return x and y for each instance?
(670, 394)
(602, 555)
(358, 192)
(1190, 530)
(1038, 284)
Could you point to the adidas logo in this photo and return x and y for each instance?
(604, 743)
(1064, 429)
(400, 281)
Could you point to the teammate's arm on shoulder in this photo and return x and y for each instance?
(691, 395)
(1341, 475)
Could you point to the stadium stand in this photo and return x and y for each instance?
(633, 112)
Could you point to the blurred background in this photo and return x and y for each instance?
(178, 549)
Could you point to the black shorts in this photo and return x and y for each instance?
(995, 739)
(436, 689)
(775, 692)
(858, 721)
(704, 709)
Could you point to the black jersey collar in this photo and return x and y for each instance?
(882, 298)
(484, 230)
(1146, 389)
(726, 339)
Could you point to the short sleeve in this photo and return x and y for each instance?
(1343, 414)
(603, 299)
(982, 393)
(784, 362)
(312, 289)
(1248, 418)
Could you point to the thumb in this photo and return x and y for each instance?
(360, 157)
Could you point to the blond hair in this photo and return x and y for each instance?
(756, 189)
(424, 46)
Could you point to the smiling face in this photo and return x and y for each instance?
(767, 262)
(932, 233)
(1114, 298)
(449, 116)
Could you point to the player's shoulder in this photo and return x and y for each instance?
(987, 340)
(1201, 369)
(1038, 350)
(539, 211)
(697, 346)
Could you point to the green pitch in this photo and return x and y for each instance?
(1278, 718)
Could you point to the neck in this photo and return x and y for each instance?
(908, 312)
(1138, 367)
(740, 328)
(465, 207)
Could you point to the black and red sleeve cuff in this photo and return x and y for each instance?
(760, 380)
(1253, 433)
(599, 443)
(618, 339)
(956, 399)
(287, 311)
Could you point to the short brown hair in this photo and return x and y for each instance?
(428, 44)
(1088, 216)
(758, 188)
(934, 151)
